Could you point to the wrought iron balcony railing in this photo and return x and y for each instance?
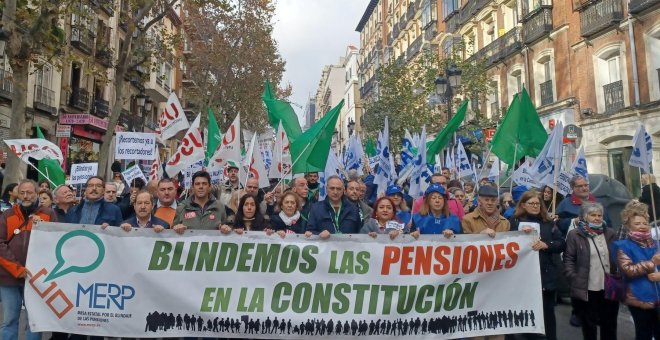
(44, 99)
(599, 16)
(101, 107)
(537, 24)
(613, 93)
(414, 48)
(6, 84)
(637, 6)
(82, 38)
(500, 48)
(79, 99)
(547, 96)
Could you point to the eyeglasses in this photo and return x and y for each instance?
(99, 185)
(533, 204)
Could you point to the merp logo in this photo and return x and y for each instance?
(99, 295)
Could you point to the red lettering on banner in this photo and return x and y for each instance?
(175, 159)
(167, 113)
(435, 260)
(187, 141)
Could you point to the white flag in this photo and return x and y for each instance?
(494, 170)
(190, 150)
(464, 166)
(172, 119)
(256, 168)
(521, 177)
(229, 151)
(331, 168)
(579, 166)
(386, 173)
(642, 153)
(156, 172)
(420, 174)
(37, 148)
(449, 160)
(354, 155)
(543, 168)
(281, 155)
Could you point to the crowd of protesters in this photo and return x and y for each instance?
(593, 251)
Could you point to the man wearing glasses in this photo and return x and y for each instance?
(93, 209)
(569, 208)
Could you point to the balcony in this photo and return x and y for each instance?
(500, 48)
(395, 31)
(403, 21)
(410, 13)
(613, 93)
(104, 56)
(546, 93)
(44, 99)
(414, 48)
(108, 6)
(82, 38)
(6, 84)
(430, 32)
(124, 117)
(599, 16)
(637, 6)
(465, 14)
(79, 99)
(101, 108)
(537, 24)
(367, 87)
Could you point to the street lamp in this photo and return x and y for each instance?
(446, 86)
(140, 99)
(351, 126)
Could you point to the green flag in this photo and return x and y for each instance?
(309, 152)
(214, 135)
(443, 137)
(521, 132)
(50, 167)
(370, 148)
(281, 110)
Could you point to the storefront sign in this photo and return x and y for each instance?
(572, 132)
(86, 119)
(63, 131)
(80, 131)
(135, 145)
(489, 134)
(142, 284)
(81, 172)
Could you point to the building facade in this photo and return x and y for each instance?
(593, 64)
(79, 93)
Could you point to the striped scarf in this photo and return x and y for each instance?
(491, 220)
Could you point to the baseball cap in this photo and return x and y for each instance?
(393, 189)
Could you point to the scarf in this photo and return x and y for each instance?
(29, 210)
(645, 240)
(578, 201)
(289, 221)
(492, 220)
(589, 230)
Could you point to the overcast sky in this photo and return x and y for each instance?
(311, 34)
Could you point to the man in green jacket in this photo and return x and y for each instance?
(200, 211)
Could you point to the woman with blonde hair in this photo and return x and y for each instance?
(288, 220)
(638, 260)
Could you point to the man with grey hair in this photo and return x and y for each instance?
(569, 208)
(16, 225)
(335, 214)
(64, 198)
(110, 193)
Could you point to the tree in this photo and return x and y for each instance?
(232, 54)
(404, 91)
(142, 48)
(32, 37)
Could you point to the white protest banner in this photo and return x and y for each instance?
(130, 284)
(564, 183)
(37, 148)
(522, 177)
(190, 171)
(133, 173)
(135, 145)
(190, 150)
(81, 172)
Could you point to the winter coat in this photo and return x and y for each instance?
(108, 213)
(551, 236)
(576, 261)
(322, 217)
(193, 216)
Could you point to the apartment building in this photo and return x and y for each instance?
(80, 93)
(584, 63)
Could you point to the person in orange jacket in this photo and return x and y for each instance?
(15, 228)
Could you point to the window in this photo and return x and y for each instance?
(489, 29)
(429, 13)
(609, 75)
(515, 81)
(166, 75)
(449, 7)
(652, 44)
(44, 76)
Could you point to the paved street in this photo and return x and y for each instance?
(626, 330)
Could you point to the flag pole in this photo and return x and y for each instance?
(513, 167)
(651, 180)
(481, 172)
(42, 174)
(555, 179)
(284, 174)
